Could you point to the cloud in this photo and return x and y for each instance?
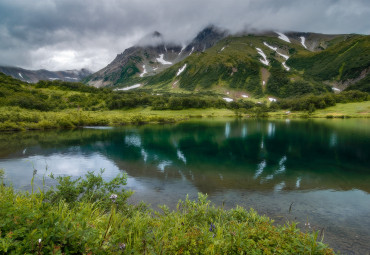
(66, 34)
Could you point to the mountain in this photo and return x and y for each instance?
(33, 76)
(151, 56)
(245, 64)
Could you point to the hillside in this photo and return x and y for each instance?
(151, 56)
(255, 65)
(33, 76)
(259, 65)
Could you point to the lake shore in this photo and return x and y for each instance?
(18, 119)
(70, 220)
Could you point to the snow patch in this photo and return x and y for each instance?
(182, 49)
(245, 96)
(271, 99)
(275, 49)
(20, 75)
(335, 89)
(303, 40)
(181, 70)
(222, 48)
(130, 87)
(283, 37)
(263, 83)
(227, 99)
(264, 60)
(144, 71)
(285, 66)
(272, 48)
(71, 78)
(162, 61)
(192, 49)
(53, 79)
(155, 68)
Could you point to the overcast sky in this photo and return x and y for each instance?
(71, 34)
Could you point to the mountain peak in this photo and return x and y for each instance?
(156, 34)
(207, 38)
(152, 39)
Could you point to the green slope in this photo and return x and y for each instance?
(339, 62)
(234, 64)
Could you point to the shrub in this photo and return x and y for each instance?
(90, 216)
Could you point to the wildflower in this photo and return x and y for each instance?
(40, 240)
(113, 197)
(122, 246)
(213, 227)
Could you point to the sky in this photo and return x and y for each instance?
(74, 34)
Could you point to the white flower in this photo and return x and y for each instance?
(113, 197)
(40, 240)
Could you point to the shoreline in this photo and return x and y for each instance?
(18, 119)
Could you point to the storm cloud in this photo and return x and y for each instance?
(68, 34)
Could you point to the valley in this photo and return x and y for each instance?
(267, 120)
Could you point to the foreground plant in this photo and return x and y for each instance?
(97, 220)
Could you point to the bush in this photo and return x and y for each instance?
(82, 216)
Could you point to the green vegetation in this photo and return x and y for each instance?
(234, 64)
(340, 61)
(237, 68)
(48, 105)
(91, 216)
(15, 118)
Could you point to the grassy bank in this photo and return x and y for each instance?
(82, 217)
(349, 110)
(15, 118)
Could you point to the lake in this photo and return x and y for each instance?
(316, 172)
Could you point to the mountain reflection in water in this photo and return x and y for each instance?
(320, 165)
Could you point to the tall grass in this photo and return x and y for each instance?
(94, 221)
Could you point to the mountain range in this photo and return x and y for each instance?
(244, 64)
(33, 76)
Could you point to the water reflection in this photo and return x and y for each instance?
(303, 155)
(322, 166)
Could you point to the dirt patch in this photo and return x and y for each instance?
(344, 84)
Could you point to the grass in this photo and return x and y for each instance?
(17, 119)
(86, 217)
(348, 110)
(14, 118)
(353, 110)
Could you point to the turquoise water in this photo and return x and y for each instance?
(318, 168)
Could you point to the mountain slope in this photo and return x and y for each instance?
(341, 64)
(244, 65)
(254, 64)
(272, 64)
(33, 76)
(142, 60)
